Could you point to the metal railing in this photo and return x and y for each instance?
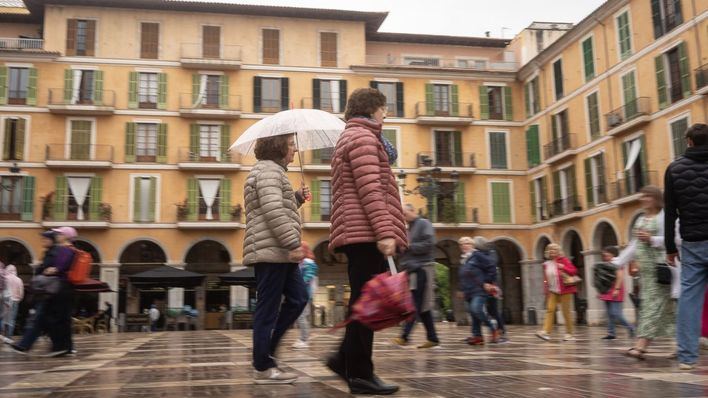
(543, 211)
(79, 152)
(632, 182)
(210, 101)
(226, 52)
(443, 109)
(187, 155)
(18, 43)
(455, 214)
(11, 212)
(433, 63)
(702, 76)
(70, 211)
(446, 159)
(559, 145)
(325, 104)
(599, 195)
(564, 206)
(69, 96)
(315, 213)
(631, 110)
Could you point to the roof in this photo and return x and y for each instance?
(13, 7)
(437, 39)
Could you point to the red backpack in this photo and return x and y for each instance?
(80, 267)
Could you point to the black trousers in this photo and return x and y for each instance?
(354, 355)
(427, 316)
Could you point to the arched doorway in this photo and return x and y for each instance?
(87, 303)
(447, 253)
(510, 280)
(211, 258)
(540, 249)
(16, 253)
(139, 256)
(573, 248)
(604, 236)
(331, 298)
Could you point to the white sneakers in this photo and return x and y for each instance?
(541, 334)
(273, 376)
(300, 345)
(704, 343)
(569, 337)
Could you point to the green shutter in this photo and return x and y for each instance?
(137, 194)
(68, 85)
(96, 192)
(133, 90)
(536, 96)
(98, 88)
(685, 70)
(630, 95)
(257, 94)
(556, 186)
(429, 100)
(572, 188)
(455, 99)
(544, 195)
(497, 144)
(508, 104)
(194, 147)
(153, 199)
(678, 131)
(224, 92)
(588, 59)
(3, 85)
(284, 93)
(7, 141)
(31, 87)
(532, 194)
(527, 99)
(196, 86)
(656, 18)
(661, 87)
(162, 91)
(601, 177)
(625, 153)
(60, 199)
(625, 42)
(225, 142)
(130, 142)
(225, 200)
(457, 147)
(315, 204)
(588, 183)
(20, 135)
(533, 150)
(501, 203)
(162, 143)
(483, 103)
(594, 115)
(192, 199)
(316, 98)
(460, 203)
(27, 213)
(643, 160)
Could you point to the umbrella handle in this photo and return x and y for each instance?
(392, 266)
(302, 172)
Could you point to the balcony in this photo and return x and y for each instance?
(565, 209)
(600, 196)
(315, 217)
(78, 156)
(443, 113)
(194, 160)
(459, 161)
(10, 212)
(326, 105)
(18, 43)
(200, 220)
(98, 218)
(224, 57)
(702, 80)
(455, 216)
(626, 189)
(629, 116)
(211, 106)
(63, 101)
(560, 148)
(428, 63)
(543, 211)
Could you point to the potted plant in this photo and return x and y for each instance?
(106, 211)
(182, 210)
(236, 212)
(47, 205)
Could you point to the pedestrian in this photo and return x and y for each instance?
(272, 245)
(478, 277)
(367, 225)
(614, 298)
(12, 295)
(308, 269)
(685, 194)
(64, 301)
(656, 312)
(466, 247)
(154, 315)
(419, 262)
(108, 315)
(558, 273)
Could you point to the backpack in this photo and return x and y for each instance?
(80, 267)
(604, 277)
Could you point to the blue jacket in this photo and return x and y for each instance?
(480, 268)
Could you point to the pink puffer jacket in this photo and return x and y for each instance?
(366, 206)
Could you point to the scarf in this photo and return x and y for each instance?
(388, 146)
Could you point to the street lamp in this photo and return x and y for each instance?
(429, 184)
(14, 169)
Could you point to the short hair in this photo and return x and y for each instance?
(553, 246)
(273, 148)
(364, 102)
(465, 240)
(655, 193)
(613, 250)
(698, 133)
(481, 243)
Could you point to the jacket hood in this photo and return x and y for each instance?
(366, 123)
(699, 153)
(485, 255)
(11, 269)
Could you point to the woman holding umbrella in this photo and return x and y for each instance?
(367, 225)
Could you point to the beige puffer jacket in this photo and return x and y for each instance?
(272, 219)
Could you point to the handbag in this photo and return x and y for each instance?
(663, 274)
(570, 280)
(604, 277)
(45, 285)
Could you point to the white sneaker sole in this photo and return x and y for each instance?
(271, 381)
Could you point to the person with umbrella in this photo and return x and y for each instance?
(367, 225)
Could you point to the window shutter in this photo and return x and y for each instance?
(460, 204)
(194, 147)
(661, 82)
(31, 87)
(256, 94)
(284, 93)
(678, 15)
(508, 104)
(594, 115)
(483, 103)
(536, 96)
(225, 142)
(656, 18)
(391, 135)
(454, 98)
(20, 132)
(96, 192)
(556, 186)
(162, 91)
(588, 59)
(196, 87)
(192, 199)
(132, 90)
(497, 143)
(27, 213)
(625, 146)
(68, 85)
(501, 206)
(3, 85)
(162, 143)
(532, 194)
(130, 142)
(457, 147)
(399, 99)
(624, 33)
(136, 199)
(7, 141)
(601, 177)
(572, 188)
(60, 200)
(71, 36)
(533, 151)
(90, 38)
(643, 160)
(224, 92)
(152, 206)
(588, 183)
(429, 100)
(225, 200)
(434, 209)
(342, 95)
(315, 204)
(544, 196)
(684, 69)
(315, 93)
(98, 87)
(527, 99)
(678, 129)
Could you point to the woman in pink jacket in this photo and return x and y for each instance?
(558, 291)
(12, 295)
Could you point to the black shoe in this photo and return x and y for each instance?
(609, 337)
(18, 349)
(373, 386)
(57, 353)
(334, 365)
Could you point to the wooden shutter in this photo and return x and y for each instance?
(316, 94)
(390, 135)
(152, 206)
(501, 203)
(224, 92)
(225, 142)
(508, 104)
(132, 90)
(532, 194)
(130, 142)
(20, 132)
(192, 199)
(7, 140)
(60, 199)
(137, 195)
(602, 190)
(454, 99)
(589, 189)
(162, 91)
(536, 96)
(90, 38)
(96, 192)
(533, 151)
(527, 99)
(257, 94)
(656, 18)
(593, 115)
(572, 188)
(196, 87)
(678, 129)
(27, 213)
(457, 148)
(497, 143)
(225, 200)
(556, 186)
(71, 25)
(271, 46)
(684, 69)
(342, 95)
(460, 203)
(3, 85)
(284, 93)
(315, 213)
(194, 144)
(588, 59)
(328, 49)
(661, 87)
(68, 85)
(558, 78)
(624, 33)
(31, 86)
(399, 99)
(429, 100)
(643, 160)
(483, 103)
(162, 143)
(149, 40)
(630, 95)
(211, 42)
(98, 87)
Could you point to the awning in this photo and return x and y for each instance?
(166, 277)
(242, 277)
(92, 286)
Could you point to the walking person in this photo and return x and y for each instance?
(12, 296)
(614, 298)
(108, 315)
(557, 270)
(685, 195)
(367, 225)
(308, 269)
(419, 262)
(478, 277)
(154, 315)
(63, 303)
(273, 247)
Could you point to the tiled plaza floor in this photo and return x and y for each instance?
(217, 364)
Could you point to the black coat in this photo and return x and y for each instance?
(686, 197)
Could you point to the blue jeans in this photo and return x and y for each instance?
(477, 309)
(9, 313)
(694, 276)
(614, 315)
(274, 316)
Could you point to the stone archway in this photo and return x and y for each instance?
(604, 235)
(210, 258)
(572, 246)
(447, 252)
(510, 258)
(139, 256)
(540, 248)
(331, 298)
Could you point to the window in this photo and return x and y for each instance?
(209, 199)
(501, 202)
(539, 199)
(532, 97)
(10, 198)
(80, 145)
(210, 91)
(595, 189)
(209, 142)
(665, 15)
(144, 199)
(673, 75)
(328, 49)
(321, 200)
(629, 93)
(593, 115)
(211, 42)
(624, 35)
(14, 139)
(497, 150)
(533, 146)
(636, 174)
(560, 134)
(329, 95)
(678, 136)
(448, 148)
(588, 59)
(558, 79)
(18, 83)
(441, 98)
(495, 102)
(78, 198)
(421, 61)
(84, 87)
(270, 95)
(271, 46)
(148, 90)
(472, 64)
(565, 194)
(394, 96)
(146, 142)
(149, 40)
(392, 136)
(80, 37)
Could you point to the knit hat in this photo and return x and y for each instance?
(50, 235)
(69, 232)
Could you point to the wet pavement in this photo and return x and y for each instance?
(217, 364)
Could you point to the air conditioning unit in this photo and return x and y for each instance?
(614, 120)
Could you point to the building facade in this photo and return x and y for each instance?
(116, 117)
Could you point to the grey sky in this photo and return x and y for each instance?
(455, 17)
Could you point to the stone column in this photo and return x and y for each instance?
(175, 295)
(532, 282)
(110, 273)
(200, 298)
(596, 313)
(238, 295)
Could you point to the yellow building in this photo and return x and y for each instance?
(116, 120)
